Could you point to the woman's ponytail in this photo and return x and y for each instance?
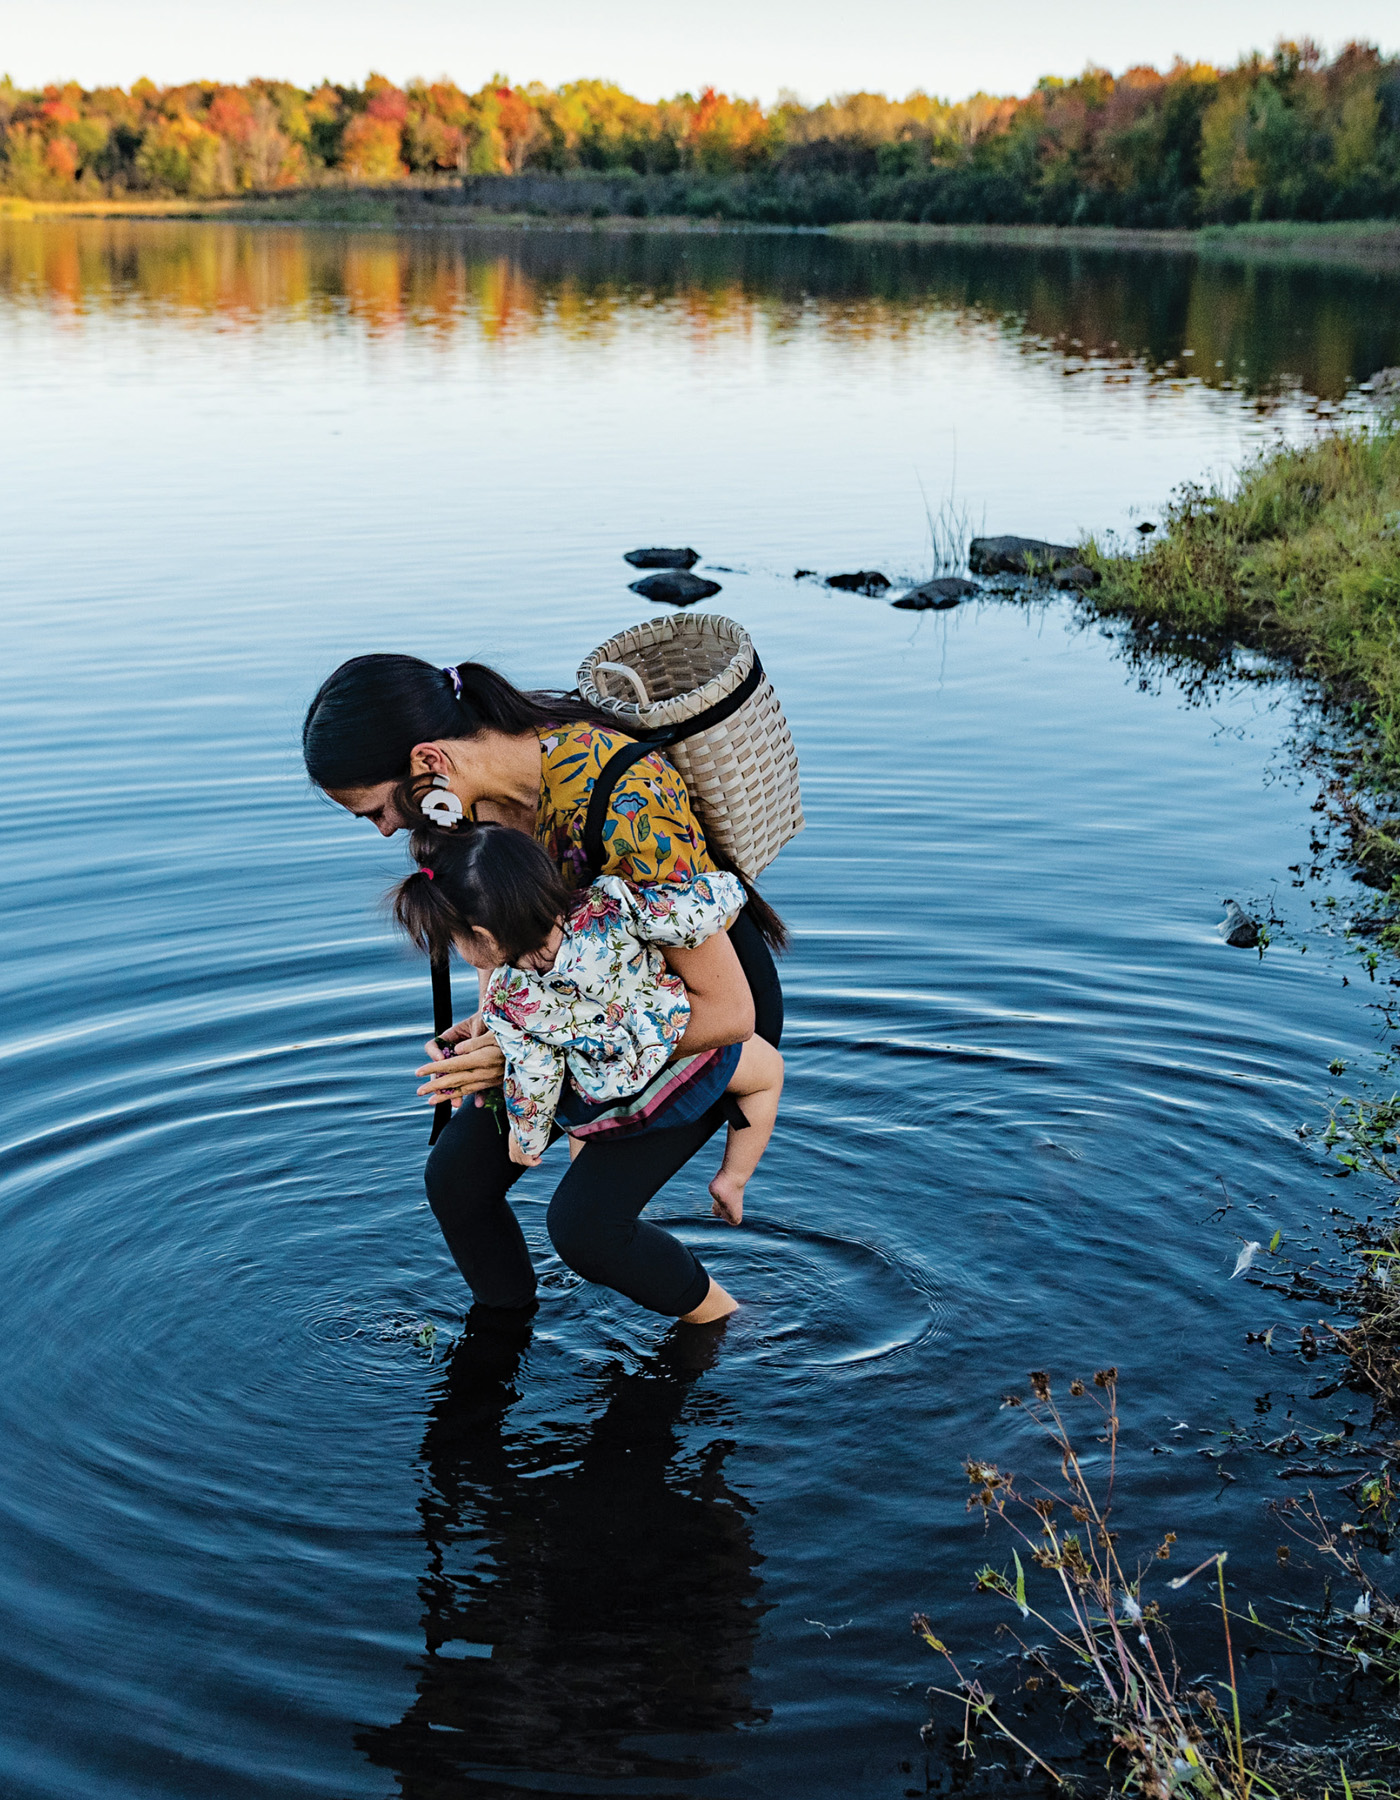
(367, 716)
(768, 920)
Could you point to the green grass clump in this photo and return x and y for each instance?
(1299, 556)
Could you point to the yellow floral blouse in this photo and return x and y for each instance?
(650, 833)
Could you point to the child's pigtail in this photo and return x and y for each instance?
(424, 914)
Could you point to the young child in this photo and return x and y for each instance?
(576, 992)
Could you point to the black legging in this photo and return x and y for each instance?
(594, 1218)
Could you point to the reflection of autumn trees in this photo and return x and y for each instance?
(1287, 136)
(1121, 309)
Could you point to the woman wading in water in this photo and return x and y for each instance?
(411, 747)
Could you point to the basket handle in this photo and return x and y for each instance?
(638, 687)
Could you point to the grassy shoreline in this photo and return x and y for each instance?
(1372, 244)
(1298, 558)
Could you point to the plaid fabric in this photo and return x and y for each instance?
(681, 1092)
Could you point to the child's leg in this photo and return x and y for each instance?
(757, 1084)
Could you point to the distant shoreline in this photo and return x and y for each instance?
(1362, 244)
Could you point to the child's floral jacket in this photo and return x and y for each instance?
(609, 1013)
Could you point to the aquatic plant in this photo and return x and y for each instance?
(1364, 1137)
(1109, 1652)
(1366, 1634)
(1103, 1623)
(950, 532)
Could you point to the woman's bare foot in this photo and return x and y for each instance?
(727, 1192)
(716, 1305)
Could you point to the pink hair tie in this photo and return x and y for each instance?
(423, 871)
(451, 672)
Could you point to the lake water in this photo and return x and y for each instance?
(257, 1540)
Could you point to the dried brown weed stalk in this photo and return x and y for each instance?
(1167, 1742)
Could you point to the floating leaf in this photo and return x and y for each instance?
(1020, 1587)
(1275, 1241)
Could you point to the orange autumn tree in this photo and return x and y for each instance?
(1288, 135)
(371, 144)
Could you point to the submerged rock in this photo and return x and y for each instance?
(658, 558)
(860, 581)
(946, 590)
(1018, 556)
(1237, 927)
(1077, 577)
(675, 586)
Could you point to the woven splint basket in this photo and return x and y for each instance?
(741, 771)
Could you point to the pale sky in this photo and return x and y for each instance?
(748, 47)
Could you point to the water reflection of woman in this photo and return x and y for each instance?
(583, 1593)
(411, 747)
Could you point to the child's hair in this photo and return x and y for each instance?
(486, 878)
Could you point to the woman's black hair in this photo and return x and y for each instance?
(370, 712)
(486, 878)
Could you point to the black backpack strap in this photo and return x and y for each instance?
(441, 971)
(622, 759)
(600, 799)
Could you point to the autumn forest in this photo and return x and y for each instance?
(1292, 135)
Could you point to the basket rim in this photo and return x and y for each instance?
(680, 706)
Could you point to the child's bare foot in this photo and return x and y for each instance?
(727, 1192)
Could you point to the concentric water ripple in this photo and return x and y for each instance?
(809, 1299)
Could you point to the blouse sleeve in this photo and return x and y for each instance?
(650, 832)
(682, 915)
(534, 1069)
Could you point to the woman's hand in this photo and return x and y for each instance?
(522, 1157)
(441, 1046)
(721, 1006)
(453, 1073)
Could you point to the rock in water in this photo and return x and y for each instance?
(1075, 578)
(675, 586)
(947, 590)
(1385, 385)
(1237, 927)
(1018, 556)
(657, 558)
(860, 581)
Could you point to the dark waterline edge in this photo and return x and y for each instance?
(1363, 245)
